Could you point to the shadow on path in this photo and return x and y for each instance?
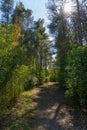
(50, 101)
(52, 111)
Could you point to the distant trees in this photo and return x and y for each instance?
(39, 46)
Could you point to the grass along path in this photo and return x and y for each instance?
(21, 116)
(44, 108)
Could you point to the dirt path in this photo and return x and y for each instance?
(43, 108)
(54, 114)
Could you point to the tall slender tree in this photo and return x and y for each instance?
(59, 28)
(21, 16)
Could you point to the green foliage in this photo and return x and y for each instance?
(62, 73)
(13, 74)
(42, 77)
(14, 86)
(5, 52)
(77, 75)
(52, 75)
(19, 78)
(32, 81)
(10, 55)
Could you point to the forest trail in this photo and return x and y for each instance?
(43, 108)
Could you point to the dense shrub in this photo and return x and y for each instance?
(14, 86)
(32, 81)
(52, 75)
(77, 75)
(13, 72)
(62, 71)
